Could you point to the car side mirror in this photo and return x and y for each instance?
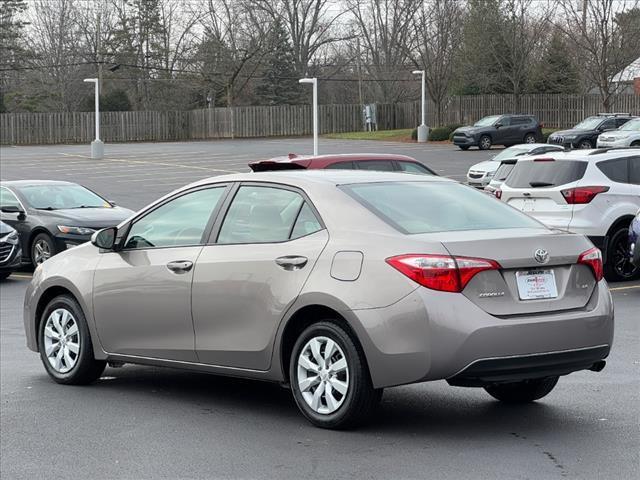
(11, 209)
(105, 239)
(498, 125)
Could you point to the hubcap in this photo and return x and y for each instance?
(41, 251)
(61, 340)
(323, 375)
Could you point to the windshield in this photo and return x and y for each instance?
(427, 207)
(486, 121)
(590, 123)
(631, 125)
(55, 197)
(511, 152)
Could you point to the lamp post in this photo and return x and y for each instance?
(423, 130)
(97, 147)
(314, 82)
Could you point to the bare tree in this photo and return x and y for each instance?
(592, 28)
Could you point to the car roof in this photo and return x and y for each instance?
(33, 183)
(591, 155)
(340, 157)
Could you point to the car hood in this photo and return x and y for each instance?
(470, 129)
(486, 166)
(4, 229)
(89, 217)
(620, 133)
(564, 133)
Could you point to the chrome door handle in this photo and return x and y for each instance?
(180, 266)
(292, 262)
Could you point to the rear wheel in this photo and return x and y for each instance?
(584, 144)
(42, 249)
(524, 391)
(329, 377)
(636, 143)
(65, 344)
(4, 275)
(529, 138)
(485, 142)
(619, 267)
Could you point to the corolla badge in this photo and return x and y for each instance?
(541, 255)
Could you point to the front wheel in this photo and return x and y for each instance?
(529, 138)
(524, 391)
(330, 379)
(65, 344)
(42, 249)
(619, 267)
(584, 144)
(484, 143)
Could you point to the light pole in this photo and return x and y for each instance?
(314, 82)
(97, 147)
(423, 130)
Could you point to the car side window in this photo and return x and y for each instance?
(621, 121)
(378, 165)
(411, 167)
(616, 170)
(306, 223)
(261, 214)
(179, 222)
(505, 121)
(341, 166)
(608, 124)
(7, 198)
(634, 170)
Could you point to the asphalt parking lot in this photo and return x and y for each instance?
(143, 422)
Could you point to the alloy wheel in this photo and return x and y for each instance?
(61, 340)
(530, 139)
(621, 261)
(485, 143)
(42, 251)
(323, 375)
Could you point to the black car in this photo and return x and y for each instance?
(10, 251)
(499, 130)
(51, 216)
(585, 134)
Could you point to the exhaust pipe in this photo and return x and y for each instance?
(598, 366)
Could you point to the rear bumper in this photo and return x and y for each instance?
(431, 335)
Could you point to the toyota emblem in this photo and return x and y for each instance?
(541, 255)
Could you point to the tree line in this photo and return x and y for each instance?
(186, 54)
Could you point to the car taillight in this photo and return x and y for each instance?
(593, 259)
(582, 195)
(498, 193)
(441, 272)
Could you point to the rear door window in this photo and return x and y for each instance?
(634, 170)
(341, 166)
(546, 173)
(616, 170)
(379, 165)
(427, 207)
(608, 124)
(412, 167)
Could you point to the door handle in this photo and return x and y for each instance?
(180, 266)
(292, 262)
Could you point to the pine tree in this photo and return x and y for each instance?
(556, 72)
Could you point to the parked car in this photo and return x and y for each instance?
(51, 216)
(337, 284)
(350, 161)
(585, 133)
(593, 193)
(628, 135)
(499, 130)
(480, 174)
(634, 240)
(10, 252)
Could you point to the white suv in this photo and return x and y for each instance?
(628, 135)
(595, 193)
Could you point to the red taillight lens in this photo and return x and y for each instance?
(593, 259)
(498, 194)
(441, 272)
(581, 195)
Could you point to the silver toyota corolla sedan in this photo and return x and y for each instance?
(335, 283)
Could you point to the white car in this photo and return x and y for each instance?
(591, 192)
(480, 174)
(628, 135)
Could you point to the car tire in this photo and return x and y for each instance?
(314, 389)
(4, 275)
(42, 248)
(65, 343)
(618, 267)
(485, 142)
(463, 147)
(585, 144)
(530, 138)
(524, 391)
(635, 144)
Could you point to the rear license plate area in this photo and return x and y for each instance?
(536, 284)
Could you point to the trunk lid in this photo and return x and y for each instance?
(497, 291)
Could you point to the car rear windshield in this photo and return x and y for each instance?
(427, 207)
(545, 173)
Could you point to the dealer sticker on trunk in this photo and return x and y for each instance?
(536, 284)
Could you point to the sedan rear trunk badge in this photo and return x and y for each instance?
(541, 255)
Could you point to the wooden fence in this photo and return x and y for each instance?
(289, 120)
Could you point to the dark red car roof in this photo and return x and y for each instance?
(293, 161)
